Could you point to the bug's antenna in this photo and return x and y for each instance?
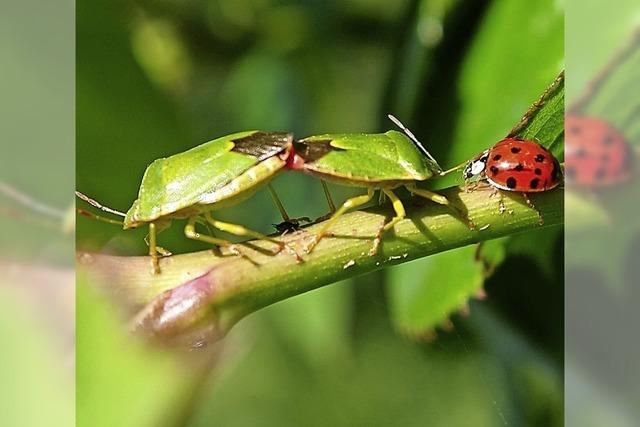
(97, 205)
(413, 138)
(455, 168)
(30, 202)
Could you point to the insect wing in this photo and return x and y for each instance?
(365, 157)
(520, 165)
(179, 181)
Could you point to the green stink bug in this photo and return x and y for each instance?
(211, 176)
(374, 161)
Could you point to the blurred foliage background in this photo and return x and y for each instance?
(603, 235)
(157, 77)
(36, 255)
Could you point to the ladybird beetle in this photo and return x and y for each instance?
(516, 164)
(597, 154)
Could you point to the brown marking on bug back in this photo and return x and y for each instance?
(263, 144)
(313, 150)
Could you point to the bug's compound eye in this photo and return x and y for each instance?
(466, 172)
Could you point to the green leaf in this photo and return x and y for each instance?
(516, 53)
(498, 79)
(600, 236)
(612, 97)
(423, 293)
(544, 122)
(537, 245)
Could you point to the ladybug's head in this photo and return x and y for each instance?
(476, 166)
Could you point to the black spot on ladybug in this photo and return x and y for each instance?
(497, 157)
(519, 167)
(601, 174)
(571, 172)
(581, 153)
(515, 150)
(605, 158)
(534, 183)
(607, 140)
(539, 158)
(538, 171)
(511, 182)
(575, 130)
(494, 169)
(555, 173)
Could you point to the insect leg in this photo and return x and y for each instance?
(502, 208)
(348, 204)
(441, 200)
(191, 233)
(332, 206)
(382, 198)
(279, 205)
(153, 253)
(98, 217)
(239, 230)
(398, 207)
(327, 194)
(287, 224)
(529, 203)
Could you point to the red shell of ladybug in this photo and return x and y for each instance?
(596, 154)
(516, 164)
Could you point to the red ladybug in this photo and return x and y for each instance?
(597, 155)
(516, 164)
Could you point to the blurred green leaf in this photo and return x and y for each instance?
(493, 252)
(517, 52)
(36, 364)
(423, 293)
(615, 98)
(601, 235)
(416, 56)
(603, 215)
(538, 245)
(120, 381)
(382, 381)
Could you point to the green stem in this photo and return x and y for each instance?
(203, 293)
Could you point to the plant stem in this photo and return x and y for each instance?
(202, 291)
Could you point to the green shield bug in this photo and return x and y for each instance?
(211, 176)
(382, 162)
